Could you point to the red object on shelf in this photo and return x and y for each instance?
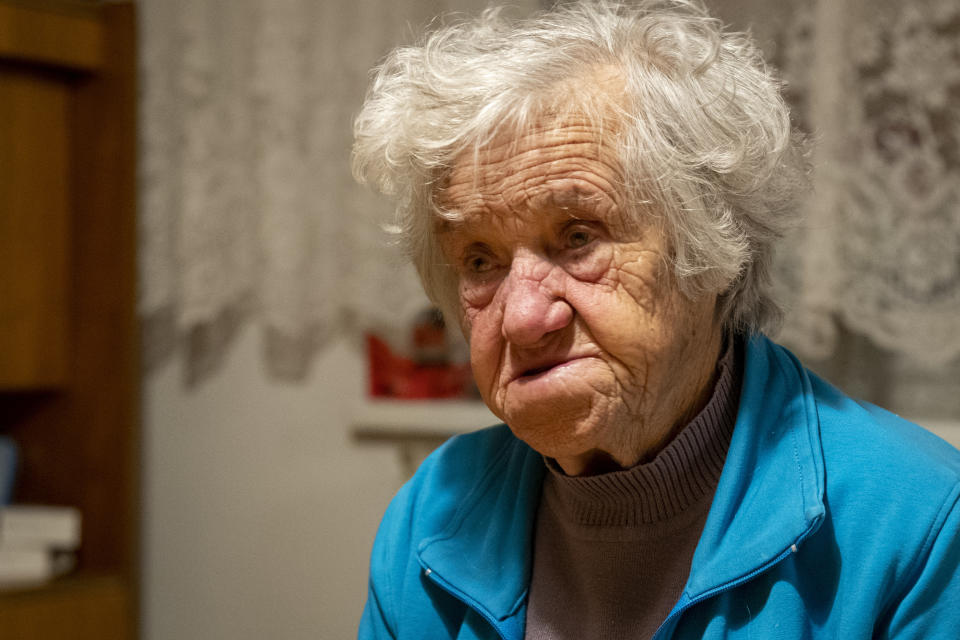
(395, 376)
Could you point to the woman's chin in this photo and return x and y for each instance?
(557, 427)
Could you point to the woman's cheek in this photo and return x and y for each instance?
(486, 346)
(593, 265)
(475, 305)
(477, 294)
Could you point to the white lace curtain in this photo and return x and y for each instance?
(249, 213)
(248, 209)
(878, 82)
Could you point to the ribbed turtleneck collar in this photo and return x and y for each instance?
(683, 473)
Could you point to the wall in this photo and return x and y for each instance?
(259, 510)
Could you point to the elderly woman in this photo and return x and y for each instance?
(594, 194)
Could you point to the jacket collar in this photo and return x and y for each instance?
(483, 556)
(771, 493)
(769, 498)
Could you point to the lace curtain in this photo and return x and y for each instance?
(248, 209)
(878, 83)
(249, 213)
(872, 280)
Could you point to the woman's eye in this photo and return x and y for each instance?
(479, 264)
(578, 237)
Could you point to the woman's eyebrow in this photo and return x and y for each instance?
(574, 201)
(463, 230)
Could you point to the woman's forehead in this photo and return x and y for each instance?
(584, 108)
(571, 158)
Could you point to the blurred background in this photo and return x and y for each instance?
(193, 289)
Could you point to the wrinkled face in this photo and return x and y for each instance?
(579, 337)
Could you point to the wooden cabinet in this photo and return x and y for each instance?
(69, 377)
(34, 227)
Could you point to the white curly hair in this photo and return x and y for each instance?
(702, 133)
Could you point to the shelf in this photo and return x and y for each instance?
(416, 419)
(69, 370)
(416, 427)
(71, 608)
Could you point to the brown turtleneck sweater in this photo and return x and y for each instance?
(612, 552)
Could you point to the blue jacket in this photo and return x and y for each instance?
(832, 519)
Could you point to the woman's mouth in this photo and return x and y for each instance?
(540, 369)
(536, 371)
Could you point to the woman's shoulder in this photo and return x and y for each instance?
(873, 441)
(857, 439)
(466, 470)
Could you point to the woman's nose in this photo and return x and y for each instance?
(533, 305)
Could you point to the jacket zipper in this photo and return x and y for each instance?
(464, 598)
(726, 587)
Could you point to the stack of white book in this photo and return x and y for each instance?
(37, 543)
